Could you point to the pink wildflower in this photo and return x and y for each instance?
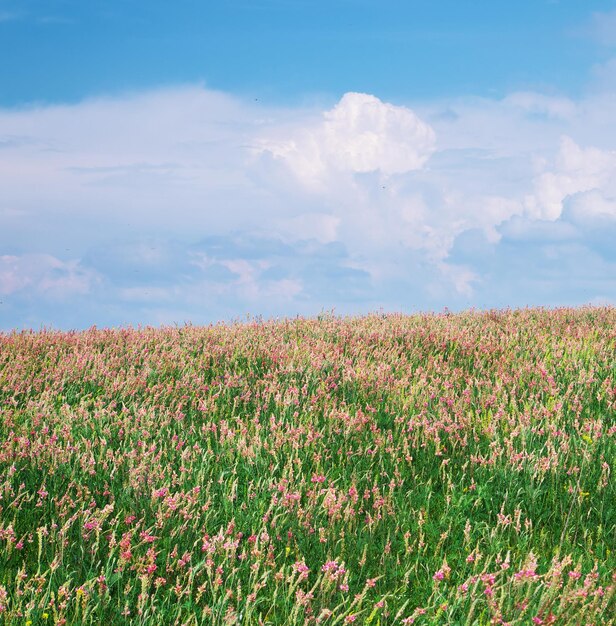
(302, 569)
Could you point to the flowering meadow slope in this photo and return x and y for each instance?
(427, 469)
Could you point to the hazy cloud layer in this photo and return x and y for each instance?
(187, 204)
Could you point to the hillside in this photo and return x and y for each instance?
(389, 469)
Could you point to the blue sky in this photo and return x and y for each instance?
(288, 50)
(199, 161)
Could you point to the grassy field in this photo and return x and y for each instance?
(428, 469)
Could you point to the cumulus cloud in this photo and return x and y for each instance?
(576, 170)
(360, 134)
(590, 208)
(189, 204)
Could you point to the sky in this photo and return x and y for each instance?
(165, 163)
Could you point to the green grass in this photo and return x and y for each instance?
(433, 469)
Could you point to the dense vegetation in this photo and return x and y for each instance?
(426, 469)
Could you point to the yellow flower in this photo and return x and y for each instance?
(45, 615)
(29, 622)
(587, 439)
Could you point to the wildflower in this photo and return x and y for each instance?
(443, 572)
(145, 536)
(525, 574)
(300, 567)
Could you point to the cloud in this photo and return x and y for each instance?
(190, 204)
(361, 134)
(540, 105)
(576, 170)
(590, 208)
(43, 275)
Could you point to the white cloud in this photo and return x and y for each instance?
(43, 274)
(189, 200)
(363, 134)
(540, 104)
(319, 226)
(159, 161)
(462, 278)
(576, 169)
(360, 134)
(376, 169)
(591, 207)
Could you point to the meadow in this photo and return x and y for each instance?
(388, 469)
